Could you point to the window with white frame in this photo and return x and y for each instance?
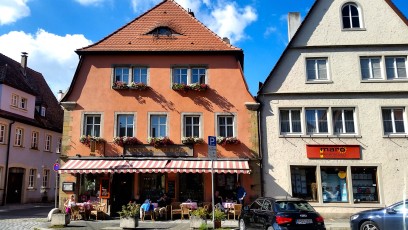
(48, 140)
(34, 139)
(290, 121)
(2, 134)
(43, 109)
(59, 145)
(18, 140)
(46, 178)
(31, 178)
(316, 69)
(129, 74)
(191, 126)
(194, 75)
(316, 121)
(14, 100)
(158, 125)
(343, 121)
(396, 67)
(371, 68)
(92, 125)
(23, 103)
(351, 17)
(225, 125)
(394, 121)
(125, 125)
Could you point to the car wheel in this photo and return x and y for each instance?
(242, 225)
(369, 225)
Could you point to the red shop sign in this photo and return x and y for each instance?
(333, 151)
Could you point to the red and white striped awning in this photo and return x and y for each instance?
(113, 166)
(196, 166)
(150, 166)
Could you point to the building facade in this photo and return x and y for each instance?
(334, 109)
(141, 106)
(30, 134)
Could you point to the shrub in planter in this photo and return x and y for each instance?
(129, 216)
(218, 217)
(198, 217)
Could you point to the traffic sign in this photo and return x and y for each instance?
(56, 167)
(212, 147)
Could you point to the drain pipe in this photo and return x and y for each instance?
(7, 163)
(260, 149)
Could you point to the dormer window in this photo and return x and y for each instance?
(351, 16)
(163, 31)
(43, 111)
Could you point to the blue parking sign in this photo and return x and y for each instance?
(212, 141)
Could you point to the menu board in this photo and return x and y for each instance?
(171, 189)
(105, 190)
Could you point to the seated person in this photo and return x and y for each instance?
(69, 203)
(162, 203)
(147, 206)
(218, 201)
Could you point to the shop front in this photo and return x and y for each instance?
(119, 180)
(337, 179)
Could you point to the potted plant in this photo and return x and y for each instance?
(86, 140)
(198, 217)
(192, 140)
(138, 85)
(120, 85)
(159, 141)
(218, 217)
(180, 87)
(129, 216)
(121, 141)
(227, 141)
(198, 86)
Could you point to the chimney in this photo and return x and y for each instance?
(190, 12)
(293, 23)
(226, 40)
(24, 62)
(59, 95)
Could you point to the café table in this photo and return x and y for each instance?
(87, 207)
(228, 205)
(190, 205)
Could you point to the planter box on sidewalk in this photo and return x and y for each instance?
(60, 219)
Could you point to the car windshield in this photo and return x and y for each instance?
(293, 206)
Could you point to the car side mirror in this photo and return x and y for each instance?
(391, 211)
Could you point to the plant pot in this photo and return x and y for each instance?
(129, 222)
(217, 224)
(196, 222)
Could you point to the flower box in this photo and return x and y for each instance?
(159, 141)
(120, 85)
(227, 141)
(186, 87)
(132, 85)
(121, 141)
(192, 140)
(86, 140)
(180, 87)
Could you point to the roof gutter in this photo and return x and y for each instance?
(7, 164)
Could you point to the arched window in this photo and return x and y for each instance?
(351, 16)
(162, 30)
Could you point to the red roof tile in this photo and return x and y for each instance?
(191, 35)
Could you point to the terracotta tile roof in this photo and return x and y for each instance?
(32, 83)
(191, 34)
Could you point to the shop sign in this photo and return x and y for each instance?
(151, 151)
(333, 151)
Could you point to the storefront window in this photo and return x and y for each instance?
(365, 187)
(152, 186)
(225, 184)
(334, 184)
(304, 182)
(191, 186)
(89, 187)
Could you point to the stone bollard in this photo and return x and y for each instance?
(60, 219)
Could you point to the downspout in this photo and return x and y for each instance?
(7, 163)
(260, 149)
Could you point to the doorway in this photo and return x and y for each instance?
(121, 191)
(14, 185)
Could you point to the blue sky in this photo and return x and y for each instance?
(51, 30)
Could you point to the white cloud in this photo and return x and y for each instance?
(89, 2)
(141, 6)
(50, 54)
(270, 30)
(230, 20)
(12, 10)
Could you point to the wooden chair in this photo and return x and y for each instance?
(236, 211)
(147, 213)
(175, 209)
(208, 206)
(185, 211)
(99, 209)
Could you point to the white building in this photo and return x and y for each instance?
(334, 109)
(30, 134)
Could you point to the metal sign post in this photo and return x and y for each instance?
(212, 153)
(56, 167)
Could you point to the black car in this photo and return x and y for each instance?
(284, 213)
(392, 217)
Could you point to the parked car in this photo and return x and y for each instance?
(280, 213)
(392, 217)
